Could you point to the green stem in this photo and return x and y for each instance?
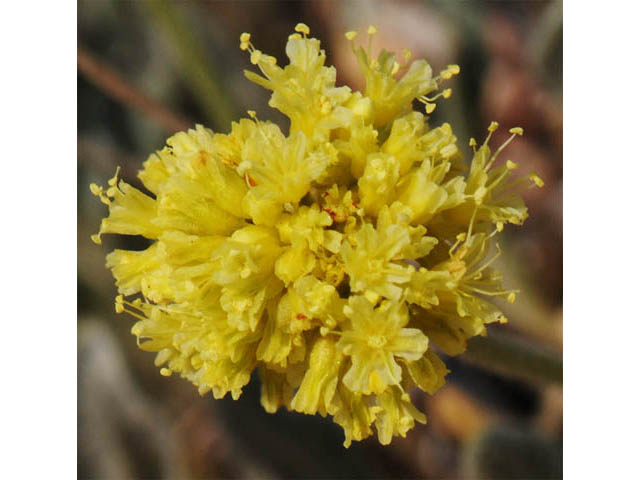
(198, 73)
(513, 356)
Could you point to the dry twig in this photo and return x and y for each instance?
(111, 83)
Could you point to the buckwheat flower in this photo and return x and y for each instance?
(336, 259)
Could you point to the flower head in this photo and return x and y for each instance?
(332, 258)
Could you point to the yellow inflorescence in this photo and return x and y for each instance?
(335, 260)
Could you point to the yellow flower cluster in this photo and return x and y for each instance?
(332, 260)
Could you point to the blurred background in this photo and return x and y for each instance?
(148, 69)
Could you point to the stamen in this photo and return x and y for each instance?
(119, 304)
(459, 239)
(99, 192)
(302, 28)
(114, 180)
(371, 31)
(473, 218)
(509, 187)
(445, 93)
(498, 293)
(135, 304)
(536, 179)
(446, 74)
(245, 39)
(487, 264)
(471, 266)
(136, 315)
(492, 128)
(257, 57)
(498, 180)
(350, 35)
(498, 151)
(404, 395)
(324, 331)
(449, 72)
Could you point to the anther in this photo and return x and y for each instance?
(119, 304)
(372, 30)
(536, 179)
(302, 28)
(350, 35)
(516, 131)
